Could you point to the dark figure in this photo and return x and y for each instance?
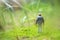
(39, 22)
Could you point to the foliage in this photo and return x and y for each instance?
(15, 24)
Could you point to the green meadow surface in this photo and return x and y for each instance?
(26, 29)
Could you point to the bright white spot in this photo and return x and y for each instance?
(24, 18)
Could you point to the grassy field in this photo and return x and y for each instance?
(21, 24)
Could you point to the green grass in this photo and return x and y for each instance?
(15, 27)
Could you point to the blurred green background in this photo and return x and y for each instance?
(19, 24)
